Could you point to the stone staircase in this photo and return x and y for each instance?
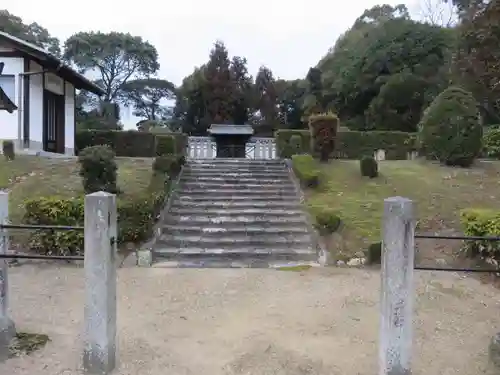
(234, 213)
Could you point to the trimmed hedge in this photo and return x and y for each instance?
(354, 144)
(136, 218)
(165, 145)
(491, 143)
(169, 164)
(481, 223)
(130, 143)
(306, 170)
(287, 149)
(98, 169)
(323, 128)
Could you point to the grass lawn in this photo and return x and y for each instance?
(439, 193)
(29, 177)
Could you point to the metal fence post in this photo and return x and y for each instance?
(99, 355)
(7, 328)
(395, 342)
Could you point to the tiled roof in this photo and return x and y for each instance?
(230, 129)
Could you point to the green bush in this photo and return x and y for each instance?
(374, 253)
(55, 211)
(168, 164)
(481, 223)
(98, 169)
(450, 129)
(323, 128)
(356, 144)
(326, 220)
(368, 166)
(165, 145)
(284, 148)
(306, 170)
(296, 144)
(136, 216)
(491, 143)
(8, 150)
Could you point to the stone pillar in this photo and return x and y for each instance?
(7, 328)
(395, 345)
(99, 355)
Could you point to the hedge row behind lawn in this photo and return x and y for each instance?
(129, 143)
(352, 144)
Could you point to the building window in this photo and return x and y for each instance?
(8, 85)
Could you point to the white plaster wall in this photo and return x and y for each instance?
(69, 112)
(8, 121)
(36, 106)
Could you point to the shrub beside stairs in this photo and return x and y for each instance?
(234, 213)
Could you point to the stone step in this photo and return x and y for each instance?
(229, 193)
(187, 186)
(278, 175)
(211, 240)
(234, 180)
(235, 168)
(218, 229)
(242, 205)
(231, 251)
(254, 212)
(242, 258)
(228, 262)
(235, 221)
(235, 161)
(237, 198)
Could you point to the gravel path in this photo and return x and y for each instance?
(253, 322)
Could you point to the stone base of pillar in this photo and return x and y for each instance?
(7, 333)
(144, 258)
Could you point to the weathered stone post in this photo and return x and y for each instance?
(99, 355)
(398, 230)
(7, 328)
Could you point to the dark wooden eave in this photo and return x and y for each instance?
(51, 63)
(6, 104)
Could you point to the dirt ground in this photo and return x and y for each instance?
(221, 321)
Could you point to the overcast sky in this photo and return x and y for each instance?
(288, 36)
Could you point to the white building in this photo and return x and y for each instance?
(37, 97)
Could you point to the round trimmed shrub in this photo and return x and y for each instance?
(368, 166)
(327, 221)
(8, 149)
(450, 130)
(98, 169)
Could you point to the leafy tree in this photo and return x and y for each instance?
(116, 57)
(450, 130)
(399, 104)
(314, 101)
(243, 91)
(146, 96)
(219, 85)
(478, 53)
(267, 100)
(190, 106)
(376, 48)
(33, 32)
(290, 103)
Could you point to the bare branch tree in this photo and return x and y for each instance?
(438, 12)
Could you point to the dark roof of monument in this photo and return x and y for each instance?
(231, 129)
